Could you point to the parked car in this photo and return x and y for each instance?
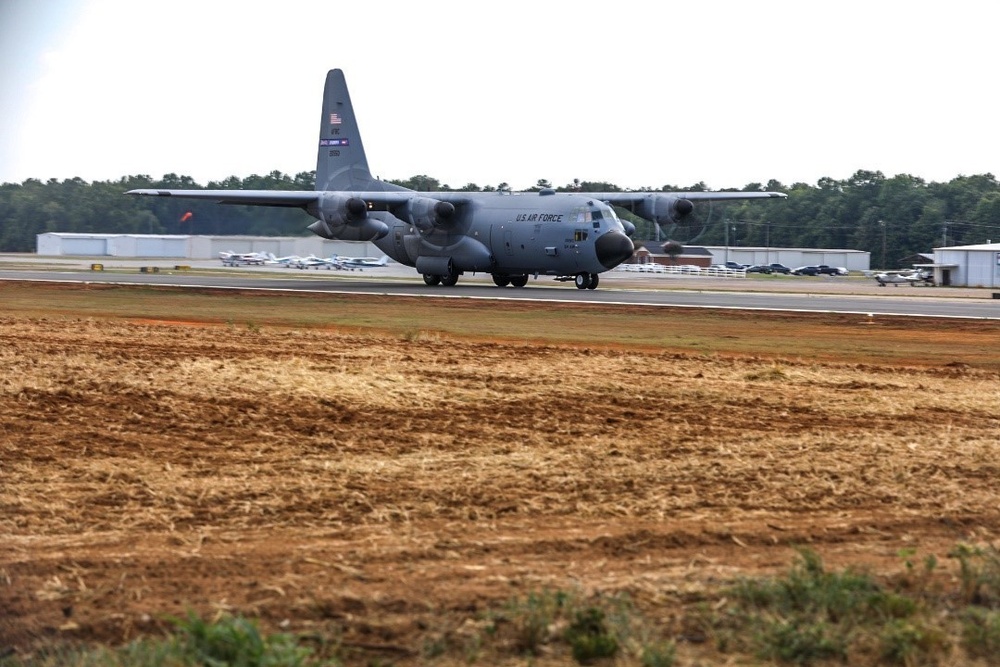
(826, 270)
(735, 266)
(759, 268)
(806, 271)
(779, 268)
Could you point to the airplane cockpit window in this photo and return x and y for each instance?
(599, 212)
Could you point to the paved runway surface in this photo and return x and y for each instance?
(845, 295)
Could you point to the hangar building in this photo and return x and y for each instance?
(193, 247)
(966, 265)
(852, 260)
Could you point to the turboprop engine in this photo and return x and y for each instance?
(344, 218)
(426, 214)
(663, 209)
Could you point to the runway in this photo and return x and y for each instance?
(615, 289)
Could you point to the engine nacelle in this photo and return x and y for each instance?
(345, 218)
(663, 209)
(426, 214)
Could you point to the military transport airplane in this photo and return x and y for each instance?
(571, 236)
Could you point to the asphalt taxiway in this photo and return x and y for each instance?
(801, 295)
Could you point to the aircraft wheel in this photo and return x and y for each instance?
(432, 280)
(501, 281)
(519, 281)
(582, 280)
(594, 280)
(449, 280)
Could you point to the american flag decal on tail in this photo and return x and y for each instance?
(335, 119)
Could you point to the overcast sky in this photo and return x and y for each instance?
(633, 93)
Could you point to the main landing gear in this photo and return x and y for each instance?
(586, 280)
(448, 281)
(515, 281)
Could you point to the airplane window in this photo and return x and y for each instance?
(582, 215)
(580, 235)
(596, 215)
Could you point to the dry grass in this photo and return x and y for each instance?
(391, 480)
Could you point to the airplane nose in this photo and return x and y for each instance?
(613, 248)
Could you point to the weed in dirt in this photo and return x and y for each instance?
(589, 637)
(230, 640)
(812, 615)
(593, 630)
(981, 634)
(980, 574)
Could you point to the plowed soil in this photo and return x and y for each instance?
(388, 488)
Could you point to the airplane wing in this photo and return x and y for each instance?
(302, 198)
(289, 198)
(671, 207)
(295, 198)
(631, 198)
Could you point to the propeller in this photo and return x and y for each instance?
(694, 225)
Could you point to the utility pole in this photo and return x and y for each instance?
(725, 227)
(767, 243)
(882, 223)
(944, 235)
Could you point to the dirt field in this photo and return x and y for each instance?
(389, 488)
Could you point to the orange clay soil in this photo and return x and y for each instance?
(388, 489)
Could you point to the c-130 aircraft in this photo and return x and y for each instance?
(571, 236)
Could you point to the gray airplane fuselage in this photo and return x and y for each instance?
(543, 233)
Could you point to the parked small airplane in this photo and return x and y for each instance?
(281, 261)
(904, 278)
(362, 262)
(570, 236)
(310, 262)
(230, 258)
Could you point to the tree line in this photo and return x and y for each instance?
(892, 218)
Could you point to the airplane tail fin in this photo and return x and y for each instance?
(341, 163)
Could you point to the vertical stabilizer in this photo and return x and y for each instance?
(341, 163)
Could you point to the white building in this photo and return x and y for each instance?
(966, 265)
(852, 260)
(193, 247)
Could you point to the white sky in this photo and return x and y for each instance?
(635, 93)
